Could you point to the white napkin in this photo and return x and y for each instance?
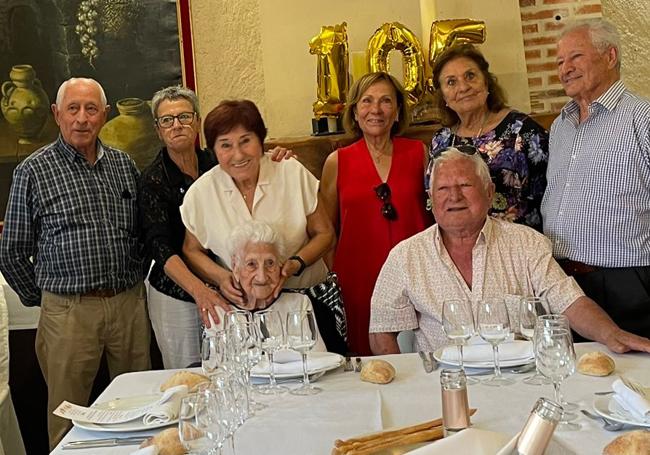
(166, 411)
(288, 362)
(151, 450)
(631, 401)
(470, 441)
(513, 350)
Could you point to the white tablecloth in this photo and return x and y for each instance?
(294, 425)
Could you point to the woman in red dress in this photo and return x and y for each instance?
(373, 191)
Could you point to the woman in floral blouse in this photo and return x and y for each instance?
(474, 113)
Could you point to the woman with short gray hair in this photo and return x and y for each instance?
(174, 293)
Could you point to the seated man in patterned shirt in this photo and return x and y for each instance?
(70, 244)
(472, 256)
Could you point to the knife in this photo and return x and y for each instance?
(108, 442)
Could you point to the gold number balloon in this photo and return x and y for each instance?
(331, 47)
(454, 31)
(394, 36)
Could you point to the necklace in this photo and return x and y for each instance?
(480, 130)
(380, 154)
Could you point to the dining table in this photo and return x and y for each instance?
(348, 407)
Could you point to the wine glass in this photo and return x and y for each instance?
(246, 341)
(458, 324)
(556, 360)
(236, 317)
(214, 353)
(560, 321)
(530, 308)
(302, 335)
(271, 334)
(198, 429)
(494, 327)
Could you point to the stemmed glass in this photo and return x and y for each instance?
(494, 327)
(530, 308)
(302, 335)
(271, 334)
(199, 429)
(561, 321)
(458, 324)
(214, 353)
(556, 359)
(246, 342)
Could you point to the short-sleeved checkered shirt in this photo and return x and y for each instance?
(596, 208)
(70, 226)
(508, 259)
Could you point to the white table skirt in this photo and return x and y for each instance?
(295, 425)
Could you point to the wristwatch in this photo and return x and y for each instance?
(302, 264)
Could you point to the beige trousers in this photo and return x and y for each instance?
(74, 331)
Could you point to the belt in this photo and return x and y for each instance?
(104, 293)
(572, 268)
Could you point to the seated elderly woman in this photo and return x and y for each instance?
(257, 254)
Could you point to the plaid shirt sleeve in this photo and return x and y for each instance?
(17, 243)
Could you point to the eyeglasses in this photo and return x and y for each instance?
(184, 118)
(387, 210)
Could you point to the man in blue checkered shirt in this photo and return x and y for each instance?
(70, 244)
(596, 208)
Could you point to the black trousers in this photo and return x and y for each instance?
(624, 294)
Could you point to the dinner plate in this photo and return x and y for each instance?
(482, 365)
(125, 404)
(609, 408)
(298, 374)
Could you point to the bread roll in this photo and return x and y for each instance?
(191, 380)
(596, 364)
(633, 443)
(377, 371)
(167, 442)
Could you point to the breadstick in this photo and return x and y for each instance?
(343, 446)
(419, 427)
(412, 438)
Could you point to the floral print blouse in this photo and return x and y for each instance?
(516, 151)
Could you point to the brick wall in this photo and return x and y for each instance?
(541, 22)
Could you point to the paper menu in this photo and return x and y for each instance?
(101, 415)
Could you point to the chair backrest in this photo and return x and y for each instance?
(4, 339)
(406, 341)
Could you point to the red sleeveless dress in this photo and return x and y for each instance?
(365, 236)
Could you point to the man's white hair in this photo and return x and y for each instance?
(602, 32)
(60, 94)
(453, 154)
(255, 232)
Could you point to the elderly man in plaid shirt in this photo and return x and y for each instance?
(70, 245)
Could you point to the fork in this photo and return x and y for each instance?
(635, 386)
(607, 424)
(426, 362)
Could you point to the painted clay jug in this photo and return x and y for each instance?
(133, 131)
(24, 103)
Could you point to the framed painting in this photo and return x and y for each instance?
(132, 47)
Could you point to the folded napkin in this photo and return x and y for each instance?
(288, 362)
(635, 404)
(471, 441)
(553, 448)
(166, 411)
(513, 350)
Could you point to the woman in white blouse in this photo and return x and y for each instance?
(246, 186)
